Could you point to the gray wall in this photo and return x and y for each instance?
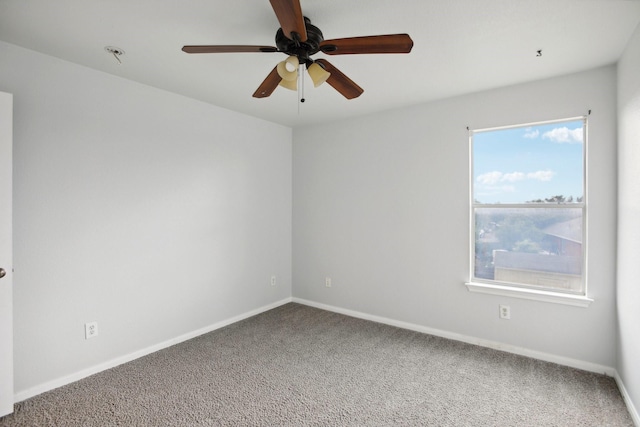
(629, 218)
(151, 213)
(381, 207)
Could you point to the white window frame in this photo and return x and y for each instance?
(493, 287)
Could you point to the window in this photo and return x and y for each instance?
(528, 208)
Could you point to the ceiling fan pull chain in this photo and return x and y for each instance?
(301, 82)
(298, 81)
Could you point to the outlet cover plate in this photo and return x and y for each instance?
(505, 312)
(90, 330)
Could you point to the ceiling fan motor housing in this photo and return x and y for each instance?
(303, 50)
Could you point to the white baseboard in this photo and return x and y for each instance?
(59, 382)
(635, 415)
(560, 360)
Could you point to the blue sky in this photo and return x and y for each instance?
(516, 165)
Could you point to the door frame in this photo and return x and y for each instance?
(6, 254)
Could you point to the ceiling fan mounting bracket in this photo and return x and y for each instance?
(303, 50)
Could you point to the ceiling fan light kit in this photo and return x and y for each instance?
(289, 84)
(318, 74)
(288, 69)
(299, 39)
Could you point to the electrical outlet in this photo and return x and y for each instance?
(90, 330)
(327, 282)
(505, 312)
(273, 280)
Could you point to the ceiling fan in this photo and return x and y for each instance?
(299, 39)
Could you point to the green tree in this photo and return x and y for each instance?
(518, 228)
(527, 245)
(555, 199)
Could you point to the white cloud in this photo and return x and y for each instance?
(490, 178)
(513, 177)
(564, 135)
(541, 175)
(531, 134)
(490, 181)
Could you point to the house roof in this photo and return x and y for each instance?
(568, 230)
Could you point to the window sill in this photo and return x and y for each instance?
(532, 294)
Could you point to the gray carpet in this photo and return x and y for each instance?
(300, 366)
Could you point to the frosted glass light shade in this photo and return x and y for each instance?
(289, 84)
(318, 74)
(288, 69)
(292, 63)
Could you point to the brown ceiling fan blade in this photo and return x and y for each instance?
(268, 85)
(343, 84)
(391, 43)
(289, 14)
(228, 49)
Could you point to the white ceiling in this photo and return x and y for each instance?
(460, 46)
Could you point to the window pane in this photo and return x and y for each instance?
(540, 248)
(533, 164)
